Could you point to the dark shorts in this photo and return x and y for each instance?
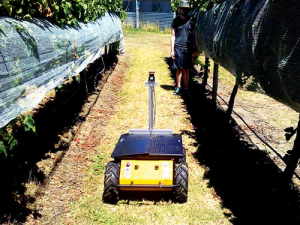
(183, 59)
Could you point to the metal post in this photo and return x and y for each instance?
(204, 81)
(151, 108)
(215, 83)
(137, 18)
(151, 83)
(231, 100)
(294, 157)
(105, 50)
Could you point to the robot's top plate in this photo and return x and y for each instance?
(169, 145)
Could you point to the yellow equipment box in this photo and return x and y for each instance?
(146, 172)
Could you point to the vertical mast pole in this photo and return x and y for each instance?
(151, 109)
(151, 83)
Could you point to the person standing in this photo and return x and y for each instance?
(183, 47)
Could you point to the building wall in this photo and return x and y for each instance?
(148, 6)
(162, 20)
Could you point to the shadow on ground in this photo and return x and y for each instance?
(154, 196)
(243, 176)
(55, 117)
(167, 87)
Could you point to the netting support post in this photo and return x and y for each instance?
(97, 74)
(215, 83)
(137, 18)
(83, 82)
(110, 50)
(105, 50)
(205, 77)
(294, 158)
(232, 97)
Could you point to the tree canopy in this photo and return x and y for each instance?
(61, 12)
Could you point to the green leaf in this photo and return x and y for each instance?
(32, 12)
(19, 11)
(8, 8)
(3, 149)
(66, 10)
(27, 16)
(28, 123)
(56, 9)
(12, 143)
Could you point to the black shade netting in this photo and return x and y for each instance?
(258, 38)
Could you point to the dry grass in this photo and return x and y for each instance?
(149, 27)
(147, 52)
(281, 118)
(265, 115)
(76, 197)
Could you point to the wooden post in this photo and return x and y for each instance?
(83, 82)
(110, 50)
(232, 97)
(137, 18)
(204, 81)
(96, 76)
(294, 158)
(105, 50)
(215, 83)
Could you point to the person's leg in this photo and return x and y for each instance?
(177, 90)
(179, 77)
(186, 76)
(186, 91)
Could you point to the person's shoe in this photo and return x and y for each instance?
(177, 91)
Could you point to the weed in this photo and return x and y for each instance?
(98, 164)
(186, 120)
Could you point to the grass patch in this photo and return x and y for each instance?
(148, 51)
(279, 115)
(98, 166)
(146, 27)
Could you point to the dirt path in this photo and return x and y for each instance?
(231, 180)
(73, 194)
(66, 182)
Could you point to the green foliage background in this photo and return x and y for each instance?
(9, 133)
(61, 12)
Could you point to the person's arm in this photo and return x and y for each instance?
(194, 44)
(172, 43)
